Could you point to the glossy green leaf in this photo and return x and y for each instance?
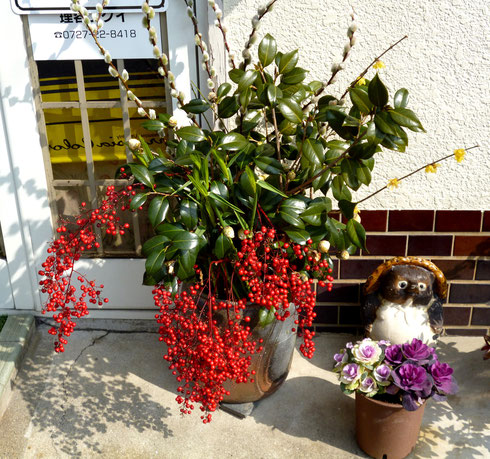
(233, 141)
(290, 211)
(316, 209)
(356, 233)
(266, 316)
(247, 182)
(223, 90)
(217, 197)
(347, 208)
(246, 80)
(154, 262)
(361, 100)
(191, 134)
(195, 106)
(320, 181)
(269, 165)
(156, 243)
(401, 98)
(236, 75)
(267, 50)
(294, 76)
(407, 118)
(378, 94)
(157, 210)
(185, 240)
(223, 246)
(268, 186)
(384, 123)
(188, 213)
(336, 233)
(349, 173)
(138, 200)
(339, 190)
(228, 107)
(142, 175)
(364, 174)
(373, 134)
(288, 61)
(291, 110)
(153, 125)
(313, 151)
(170, 230)
(300, 236)
(273, 93)
(187, 260)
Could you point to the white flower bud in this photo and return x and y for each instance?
(224, 28)
(131, 96)
(181, 95)
(210, 83)
(190, 13)
(255, 21)
(75, 7)
(353, 27)
(141, 111)
(161, 71)
(353, 40)
(172, 122)
(94, 17)
(197, 39)
(145, 7)
(291, 175)
(92, 27)
(100, 24)
(125, 75)
(229, 232)
(346, 48)
(151, 14)
(152, 113)
(211, 3)
(84, 12)
(344, 255)
(171, 76)
(241, 234)
(246, 54)
(105, 3)
(332, 102)
(335, 67)
(113, 72)
(212, 96)
(134, 144)
(156, 51)
(152, 32)
(219, 13)
(174, 93)
(357, 218)
(252, 39)
(261, 11)
(107, 57)
(99, 8)
(204, 46)
(144, 21)
(171, 267)
(212, 71)
(86, 20)
(164, 59)
(205, 57)
(324, 246)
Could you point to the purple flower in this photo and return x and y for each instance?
(416, 350)
(382, 373)
(350, 373)
(349, 345)
(394, 354)
(441, 373)
(366, 352)
(410, 377)
(340, 358)
(368, 386)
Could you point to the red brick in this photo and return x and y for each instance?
(458, 220)
(483, 270)
(469, 293)
(467, 332)
(486, 221)
(456, 269)
(341, 293)
(358, 269)
(374, 220)
(386, 245)
(429, 245)
(472, 245)
(481, 316)
(326, 314)
(411, 220)
(457, 316)
(350, 315)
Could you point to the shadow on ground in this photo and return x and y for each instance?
(75, 398)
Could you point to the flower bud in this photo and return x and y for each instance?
(291, 175)
(161, 71)
(151, 14)
(241, 234)
(99, 8)
(131, 95)
(125, 75)
(229, 232)
(210, 83)
(107, 57)
(113, 72)
(134, 144)
(344, 255)
(324, 246)
(145, 7)
(152, 114)
(172, 122)
(255, 21)
(141, 111)
(100, 24)
(164, 59)
(152, 31)
(156, 51)
(171, 77)
(211, 3)
(212, 96)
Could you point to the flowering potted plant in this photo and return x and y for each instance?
(237, 198)
(392, 384)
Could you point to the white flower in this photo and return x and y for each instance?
(131, 95)
(152, 31)
(107, 57)
(170, 76)
(151, 14)
(197, 39)
(366, 352)
(99, 8)
(219, 13)
(324, 246)
(344, 255)
(205, 56)
(229, 232)
(134, 144)
(174, 93)
(125, 75)
(152, 113)
(172, 122)
(210, 83)
(357, 218)
(161, 71)
(94, 17)
(100, 24)
(164, 59)
(141, 111)
(211, 3)
(156, 51)
(190, 13)
(113, 72)
(86, 20)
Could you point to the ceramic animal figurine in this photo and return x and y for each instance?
(403, 300)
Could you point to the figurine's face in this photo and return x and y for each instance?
(404, 282)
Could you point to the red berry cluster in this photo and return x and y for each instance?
(202, 350)
(59, 274)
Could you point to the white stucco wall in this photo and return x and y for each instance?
(444, 63)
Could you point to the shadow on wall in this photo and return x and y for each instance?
(84, 395)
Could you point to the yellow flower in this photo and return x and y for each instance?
(379, 65)
(356, 210)
(459, 154)
(360, 81)
(431, 168)
(393, 183)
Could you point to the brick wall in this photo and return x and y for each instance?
(458, 242)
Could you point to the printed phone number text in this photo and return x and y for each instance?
(80, 34)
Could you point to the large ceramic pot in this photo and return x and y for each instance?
(272, 364)
(386, 430)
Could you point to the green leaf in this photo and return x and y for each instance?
(373, 134)
(235, 75)
(217, 197)
(313, 151)
(401, 98)
(246, 80)
(347, 208)
(407, 118)
(320, 181)
(224, 168)
(268, 186)
(384, 123)
(364, 174)
(223, 90)
(142, 175)
(294, 76)
(288, 61)
(267, 50)
(138, 200)
(361, 100)
(349, 173)
(300, 236)
(356, 233)
(273, 93)
(156, 243)
(185, 240)
(318, 207)
(233, 141)
(378, 94)
(188, 213)
(191, 134)
(223, 246)
(291, 110)
(290, 211)
(339, 190)
(269, 165)
(336, 233)
(157, 210)
(247, 182)
(266, 316)
(228, 107)
(187, 260)
(153, 125)
(170, 230)
(154, 262)
(196, 106)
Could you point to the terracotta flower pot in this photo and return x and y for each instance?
(271, 365)
(386, 430)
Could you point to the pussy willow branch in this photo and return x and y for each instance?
(414, 172)
(225, 39)
(371, 64)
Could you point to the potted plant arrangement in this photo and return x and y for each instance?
(392, 384)
(240, 199)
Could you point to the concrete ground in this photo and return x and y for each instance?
(110, 395)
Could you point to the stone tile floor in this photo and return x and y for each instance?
(110, 395)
